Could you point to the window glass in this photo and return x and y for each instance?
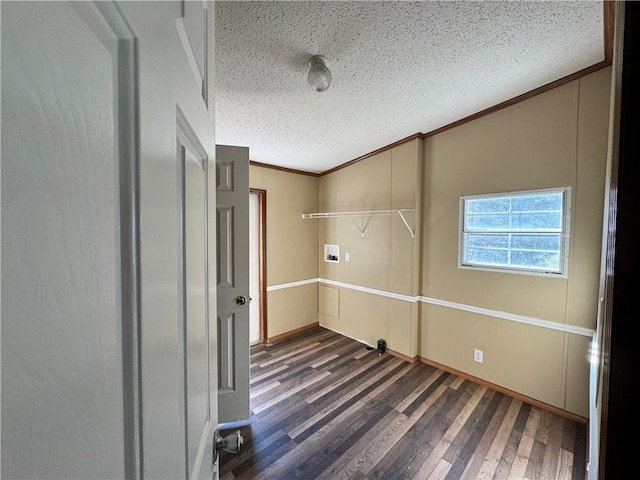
(522, 231)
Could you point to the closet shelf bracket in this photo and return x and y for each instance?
(364, 214)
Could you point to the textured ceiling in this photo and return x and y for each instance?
(398, 68)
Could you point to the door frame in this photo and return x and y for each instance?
(262, 260)
(618, 359)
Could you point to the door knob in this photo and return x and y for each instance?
(231, 443)
(240, 300)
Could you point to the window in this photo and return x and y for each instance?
(521, 232)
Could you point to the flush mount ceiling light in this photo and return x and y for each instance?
(319, 76)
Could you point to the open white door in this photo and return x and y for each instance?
(178, 369)
(232, 192)
(108, 335)
(193, 319)
(62, 322)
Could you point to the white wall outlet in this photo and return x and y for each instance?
(346, 256)
(477, 355)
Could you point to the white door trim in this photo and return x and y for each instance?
(107, 21)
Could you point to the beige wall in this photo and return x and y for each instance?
(384, 258)
(558, 138)
(292, 246)
(554, 139)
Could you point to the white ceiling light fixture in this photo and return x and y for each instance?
(319, 76)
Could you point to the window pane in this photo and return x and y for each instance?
(517, 230)
(537, 202)
(536, 242)
(488, 205)
(488, 222)
(487, 240)
(487, 256)
(538, 260)
(536, 221)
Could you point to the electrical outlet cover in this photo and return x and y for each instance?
(477, 355)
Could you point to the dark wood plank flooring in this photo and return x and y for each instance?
(325, 407)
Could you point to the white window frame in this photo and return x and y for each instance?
(564, 236)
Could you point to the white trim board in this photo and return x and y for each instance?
(299, 283)
(374, 291)
(537, 322)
